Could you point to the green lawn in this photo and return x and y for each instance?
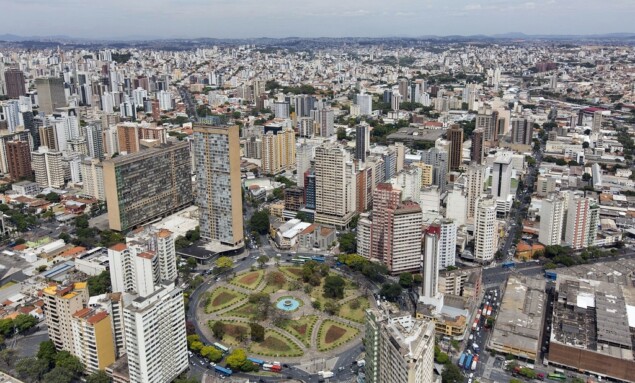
(356, 315)
(221, 298)
(301, 328)
(292, 272)
(233, 331)
(243, 311)
(249, 280)
(275, 345)
(334, 334)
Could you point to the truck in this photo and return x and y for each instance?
(223, 370)
(325, 374)
(271, 367)
(474, 361)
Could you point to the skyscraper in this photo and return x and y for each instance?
(19, 159)
(50, 91)
(146, 185)
(362, 141)
(447, 243)
(552, 214)
(485, 230)
(582, 221)
(304, 104)
(404, 85)
(12, 114)
(476, 154)
(217, 158)
(14, 82)
(430, 263)
(47, 166)
(475, 182)
(278, 151)
(439, 159)
(455, 136)
(334, 185)
(522, 131)
(399, 349)
(326, 120)
(501, 184)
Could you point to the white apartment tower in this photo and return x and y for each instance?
(475, 175)
(47, 166)
(501, 184)
(485, 230)
(335, 185)
(582, 221)
(447, 243)
(552, 214)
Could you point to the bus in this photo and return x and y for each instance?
(557, 376)
(318, 259)
(551, 275)
(223, 370)
(468, 362)
(297, 260)
(256, 361)
(304, 257)
(219, 346)
(508, 264)
(462, 360)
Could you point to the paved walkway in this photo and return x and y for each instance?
(310, 353)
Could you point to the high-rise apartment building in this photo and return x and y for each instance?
(217, 158)
(447, 243)
(399, 349)
(12, 115)
(430, 263)
(489, 124)
(596, 124)
(60, 303)
(583, 217)
(14, 83)
(362, 141)
(304, 104)
(156, 342)
(404, 86)
(475, 182)
(278, 152)
(50, 92)
(326, 121)
(439, 160)
(386, 198)
(522, 131)
(365, 102)
(281, 109)
(92, 173)
(552, 214)
(455, 153)
(19, 159)
(94, 140)
(165, 100)
(501, 184)
(476, 152)
(485, 230)
(335, 184)
(93, 338)
(146, 185)
(427, 173)
(47, 166)
(131, 135)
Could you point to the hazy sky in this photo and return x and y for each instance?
(330, 18)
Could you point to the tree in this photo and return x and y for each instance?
(52, 197)
(69, 362)
(24, 322)
(417, 279)
(348, 243)
(47, 352)
(257, 332)
(341, 134)
(586, 177)
(451, 374)
(197, 346)
(334, 287)
(32, 369)
(98, 377)
(585, 144)
(331, 307)
(58, 375)
(276, 278)
(259, 221)
(218, 329)
(212, 353)
(8, 357)
(224, 263)
(390, 291)
(405, 280)
(99, 284)
(262, 260)
(236, 359)
(302, 216)
(316, 305)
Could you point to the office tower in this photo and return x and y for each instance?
(334, 185)
(309, 190)
(278, 152)
(47, 165)
(281, 109)
(304, 104)
(31, 127)
(362, 141)
(93, 338)
(156, 342)
(398, 349)
(93, 178)
(146, 185)
(455, 152)
(430, 263)
(552, 214)
(475, 182)
(485, 230)
(447, 243)
(60, 303)
(438, 159)
(365, 102)
(165, 100)
(325, 121)
(403, 85)
(50, 92)
(501, 184)
(476, 154)
(582, 221)
(14, 83)
(19, 159)
(522, 131)
(12, 114)
(217, 156)
(94, 140)
(596, 124)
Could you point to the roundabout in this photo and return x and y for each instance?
(297, 312)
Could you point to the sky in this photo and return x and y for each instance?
(108, 19)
